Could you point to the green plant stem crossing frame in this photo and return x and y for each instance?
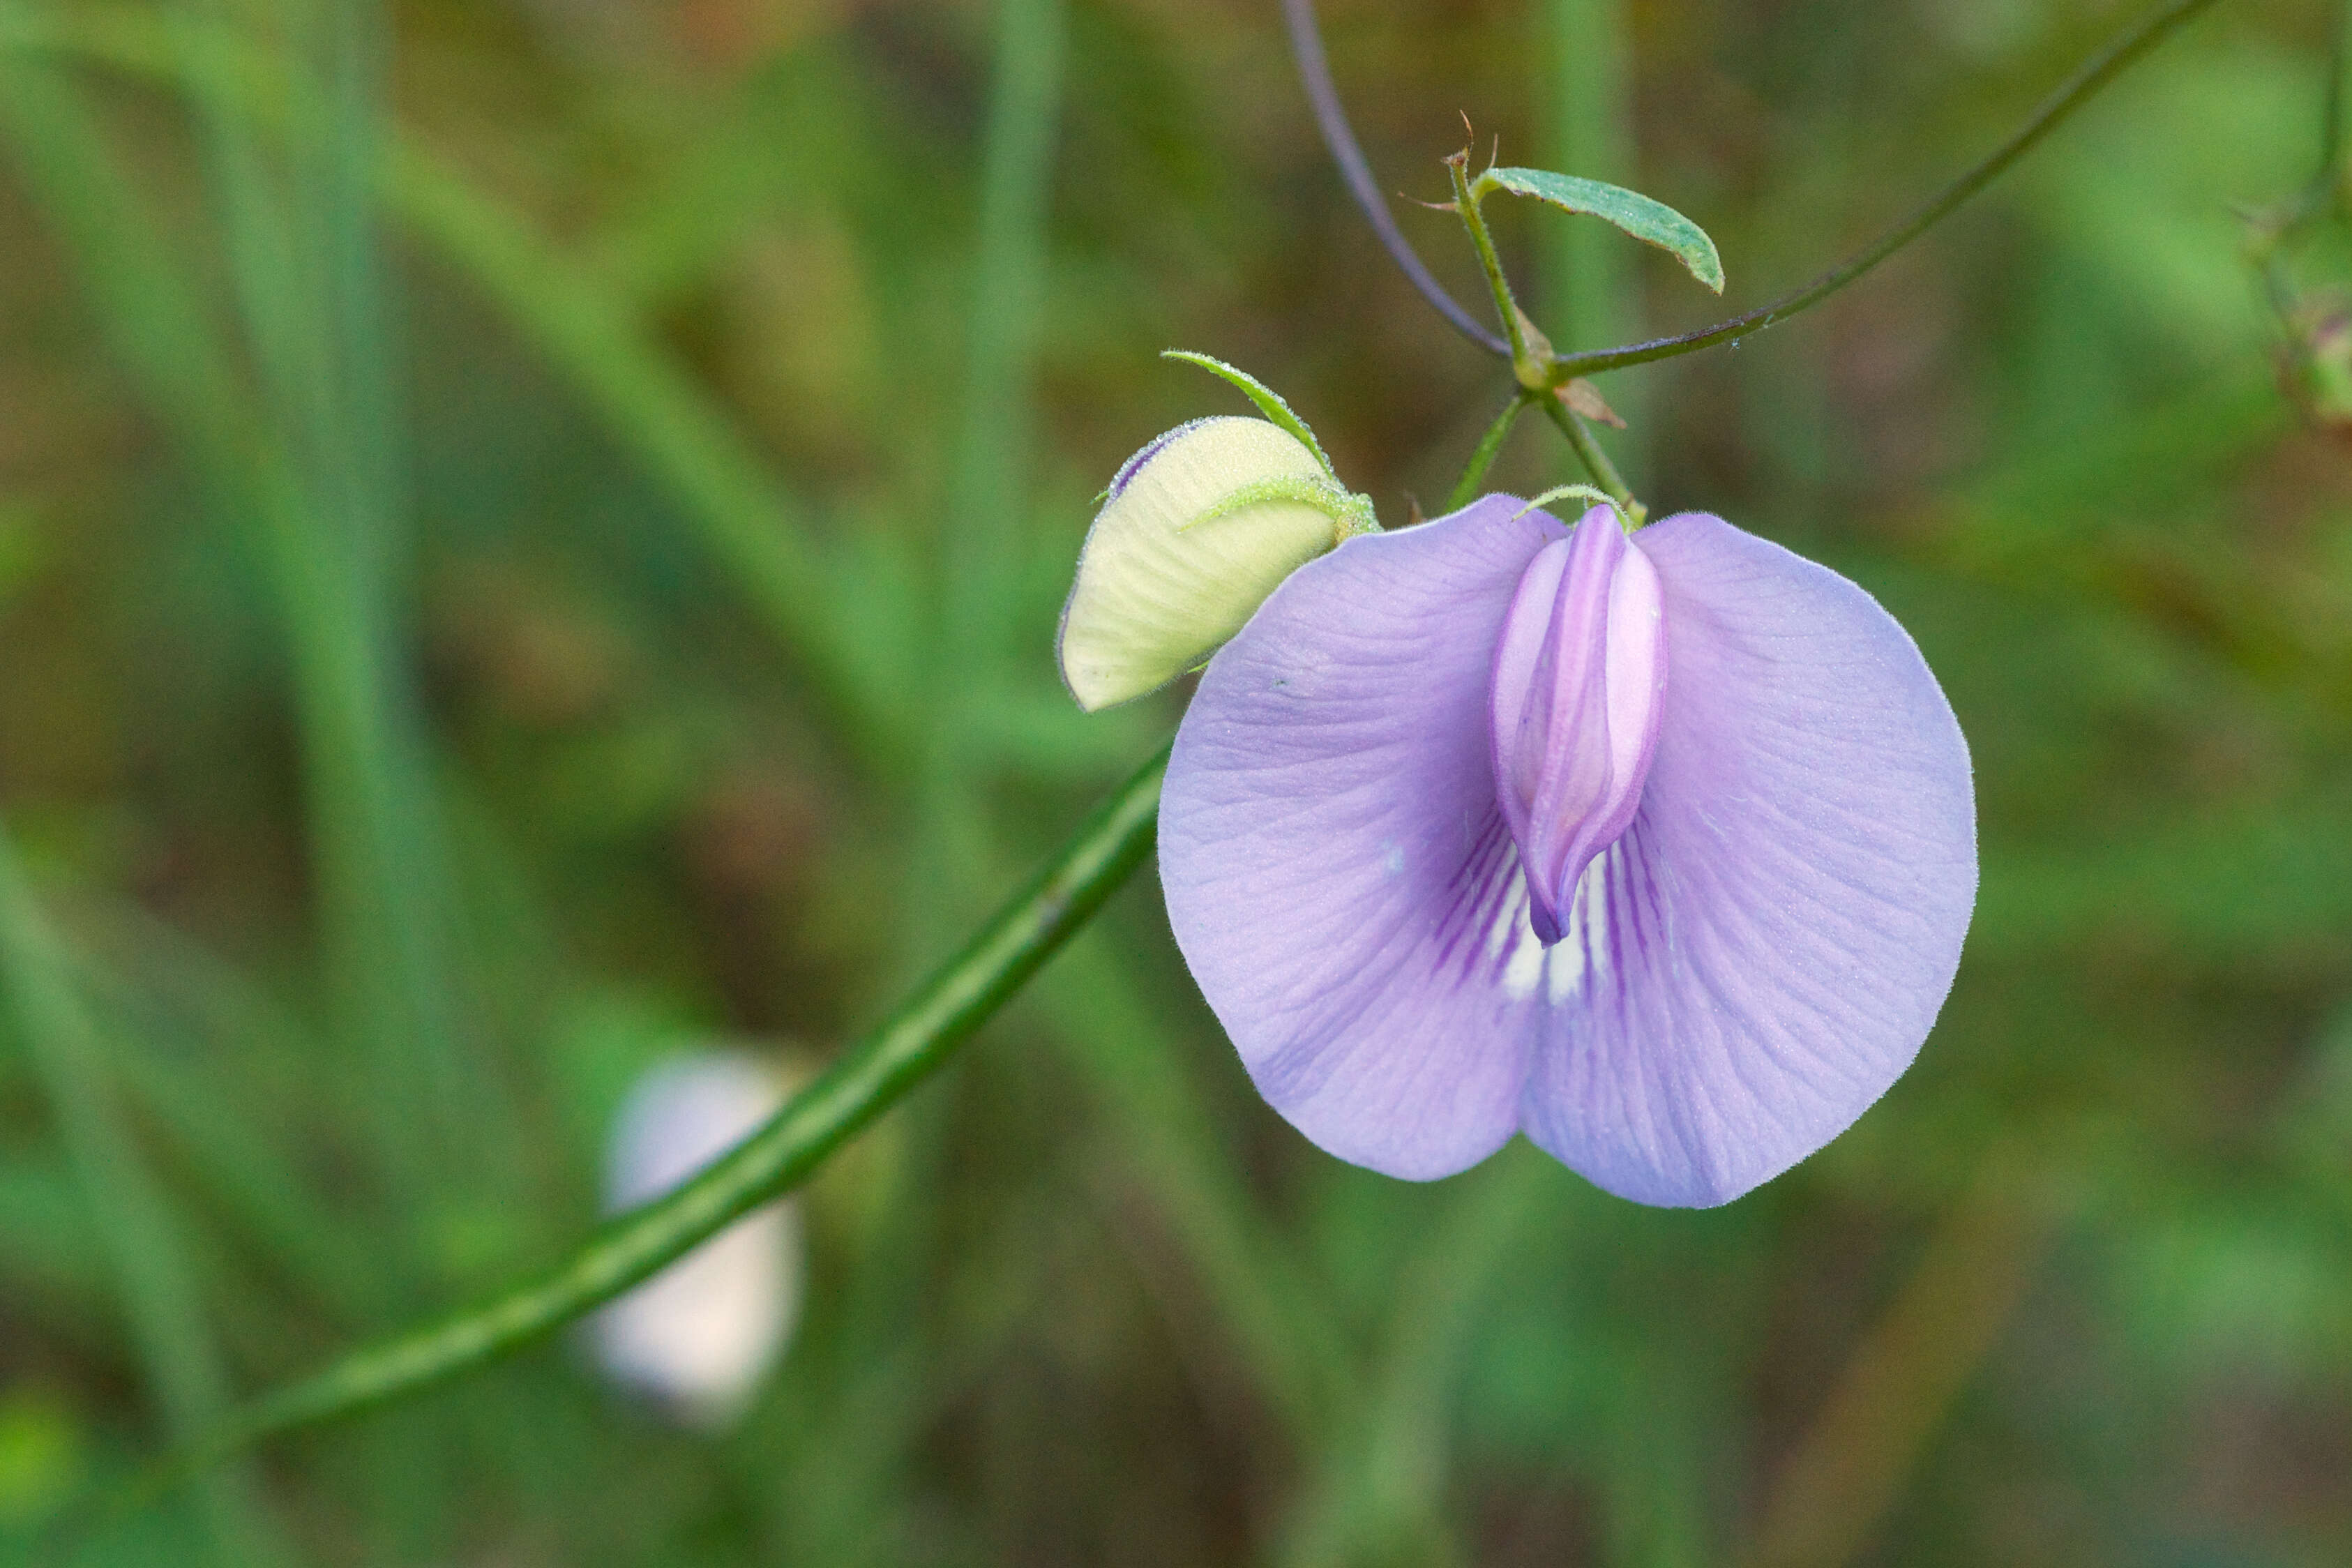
(864, 1081)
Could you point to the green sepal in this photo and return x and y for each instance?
(1627, 519)
(1350, 514)
(1269, 402)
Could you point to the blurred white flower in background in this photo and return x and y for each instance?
(697, 1338)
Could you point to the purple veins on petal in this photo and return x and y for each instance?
(1733, 972)
(1580, 668)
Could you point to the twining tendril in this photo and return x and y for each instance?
(1315, 74)
(2119, 54)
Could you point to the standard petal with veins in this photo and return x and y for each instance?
(1739, 974)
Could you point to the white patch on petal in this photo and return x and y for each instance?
(1559, 970)
(1590, 924)
(1564, 969)
(1391, 858)
(1584, 944)
(1522, 972)
(1526, 970)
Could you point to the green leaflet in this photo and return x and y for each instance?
(1654, 223)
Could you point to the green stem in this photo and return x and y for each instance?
(1490, 446)
(2103, 68)
(1596, 461)
(1467, 207)
(867, 1079)
(589, 337)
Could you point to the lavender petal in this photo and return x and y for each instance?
(1337, 872)
(1739, 975)
(1762, 953)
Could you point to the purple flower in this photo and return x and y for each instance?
(1658, 849)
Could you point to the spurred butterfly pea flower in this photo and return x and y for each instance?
(1659, 849)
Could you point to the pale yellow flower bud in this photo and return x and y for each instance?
(1193, 535)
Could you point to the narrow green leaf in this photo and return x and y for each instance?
(1269, 402)
(1654, 223)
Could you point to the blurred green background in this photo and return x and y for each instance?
(529, 538)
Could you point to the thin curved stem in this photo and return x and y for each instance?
(867, 1079)
(2095, 73)
(1490, 446)
(1315, 74)
(1525, 365)
(1596, 461)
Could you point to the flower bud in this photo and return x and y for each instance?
(698, 1337)
(1173, 566)
(1579, 670)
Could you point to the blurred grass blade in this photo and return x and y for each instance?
(363, 782)
(144, 305)
(1161, 1130)
(979, 545)
(652, 406)
(991, 455)
(125, 1204)
(1849, 1467)
(193, 1013)
(1383, 1492)
(653, 409)
(1118, 1044)
(301, 243)
(588, 331)
(1588, 281)
(1129, 1058)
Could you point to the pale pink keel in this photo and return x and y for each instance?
(1579, 670)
